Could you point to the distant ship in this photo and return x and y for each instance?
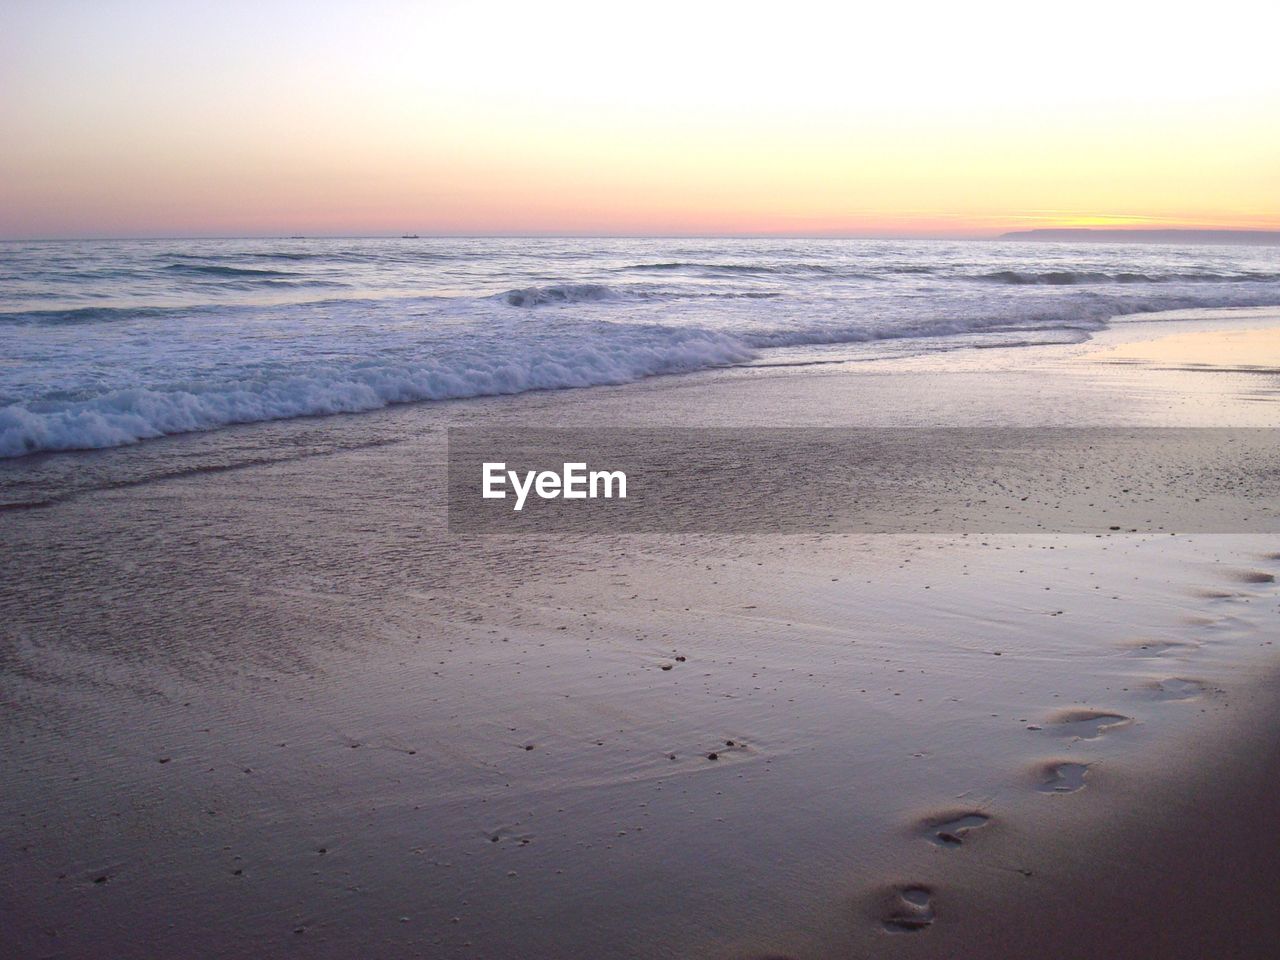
(409, 236)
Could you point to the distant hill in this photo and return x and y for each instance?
(1126, 235)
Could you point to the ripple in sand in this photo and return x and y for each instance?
(910, 910)
(952, 829)
(1087, 724)
(1067, 777)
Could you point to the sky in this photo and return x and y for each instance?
(274, 117)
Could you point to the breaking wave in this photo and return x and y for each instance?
(598, 356)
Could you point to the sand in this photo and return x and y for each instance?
(265, 705)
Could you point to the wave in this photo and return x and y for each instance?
(247, 255)
(741, 268)
(561, 293)
(935, 328)
(730, 295)
(1071, 278)
(289, 256)
(1011, 277)
(217, 270)
(76, 315)
(594, 292)
(86, 315)
(399, 255)
(602, 354)
(681, 265)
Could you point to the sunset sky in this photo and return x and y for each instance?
(249, 118)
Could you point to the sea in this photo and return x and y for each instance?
(112, 342)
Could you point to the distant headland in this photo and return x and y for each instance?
(1129, 235)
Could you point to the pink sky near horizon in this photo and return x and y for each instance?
(138, 118)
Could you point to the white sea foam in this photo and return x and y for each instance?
(128, 415)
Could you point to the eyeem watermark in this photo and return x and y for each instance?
(522, 479)
(574, 482)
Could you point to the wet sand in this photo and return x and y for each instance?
(1177, 860)
(265, 706)
(1240, 351)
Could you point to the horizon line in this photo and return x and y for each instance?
(552, 235)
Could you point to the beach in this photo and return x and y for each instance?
(261, 702)
(690, 482)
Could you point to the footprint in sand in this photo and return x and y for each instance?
(1251, 576)
(1209, 594)
(1062, 777)
(1087, 724)
(1177, 688)
(952, 829)
(910, 910)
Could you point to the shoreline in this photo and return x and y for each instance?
(28, 481)
(1116, 330)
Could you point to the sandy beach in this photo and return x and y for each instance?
(574, 481)
(261, 703)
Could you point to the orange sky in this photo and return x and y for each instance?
(147, 118)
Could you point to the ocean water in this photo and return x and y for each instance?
(105, 343)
